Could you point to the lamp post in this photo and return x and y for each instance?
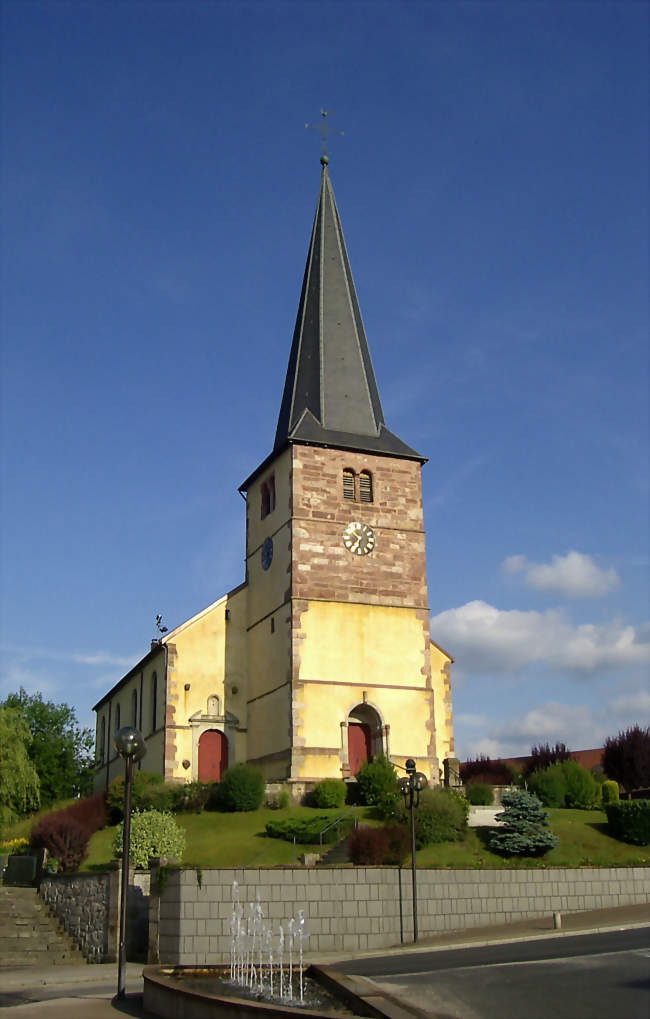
(410, 787)
(131, 746)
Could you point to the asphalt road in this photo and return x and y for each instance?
(597, 976)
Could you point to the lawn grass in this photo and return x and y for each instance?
(584, 842)
(239, 840)
(227, 840)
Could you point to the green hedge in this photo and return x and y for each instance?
(329, 793)
(610, 792)
(440, 817)
(629, 821)
(307, 830)
(479, 794)
(241, 788)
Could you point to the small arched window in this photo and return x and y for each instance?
(266, 500)
(154, 701)
(268, 496)
(134, 709)
(365, 486)
(102, 740)
(348, 484)
(117, 718)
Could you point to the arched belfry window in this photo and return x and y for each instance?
(365, 486)
(134, 709)
(357, 487)
(118, 719)
(268, 496)
(349, 485)
(102, 740)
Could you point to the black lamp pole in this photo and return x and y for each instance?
(129, 745)
(410, 787)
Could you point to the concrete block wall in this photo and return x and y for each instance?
(358, 909)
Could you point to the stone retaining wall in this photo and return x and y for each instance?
(88, 907)
(359, 909)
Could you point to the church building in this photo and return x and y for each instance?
(322, 657)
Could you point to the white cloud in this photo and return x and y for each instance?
(636, 703)
(578, 726)
(483, 638)
(574, 575)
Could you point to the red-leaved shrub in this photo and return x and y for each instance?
(379, 846)
(484, 769)
(63, 837)
(89, 812)
(66, 833)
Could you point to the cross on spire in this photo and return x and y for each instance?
(324, 132)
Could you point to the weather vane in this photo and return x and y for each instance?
(324, 132)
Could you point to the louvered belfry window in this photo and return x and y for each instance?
(365, 486)
(348, 485)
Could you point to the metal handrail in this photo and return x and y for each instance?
(331, 825)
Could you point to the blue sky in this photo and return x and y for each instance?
(158, 187)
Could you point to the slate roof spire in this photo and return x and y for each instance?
(330, 393)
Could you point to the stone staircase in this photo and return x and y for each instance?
(338, 854)
(29, 935)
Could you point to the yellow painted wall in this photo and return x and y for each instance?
(350, 653)
(207, 659)
(140, 682)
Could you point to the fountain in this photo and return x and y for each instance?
(264, 979)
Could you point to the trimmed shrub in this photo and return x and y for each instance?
(582, 790)
(629, 821)
(484, 769)
(609, 792)
(153, 833)
(193, 797)
(90, 812)
(307, 831)
(329, 793)
(440, 817)
(142, 781)
(368, 846)
(378, 785)
(241, 788)
(526, 830)
(64, 838)
(387, 847)
(479, 794)
(549, 785)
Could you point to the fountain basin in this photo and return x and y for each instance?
(168, 993)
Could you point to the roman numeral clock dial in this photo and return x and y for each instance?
(359, 538)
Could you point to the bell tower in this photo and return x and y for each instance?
(340, 662)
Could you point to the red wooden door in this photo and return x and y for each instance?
(359, 745)
(213, 755)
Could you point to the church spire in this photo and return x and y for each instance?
(330, 393)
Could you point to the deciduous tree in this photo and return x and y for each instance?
(59, 749)
(19, 785)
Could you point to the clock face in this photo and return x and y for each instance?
(359, 538)
(267, 553)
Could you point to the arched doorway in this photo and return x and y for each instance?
(359, 745)
(364, 736)
(213, 755)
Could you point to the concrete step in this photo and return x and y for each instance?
(29, 934)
